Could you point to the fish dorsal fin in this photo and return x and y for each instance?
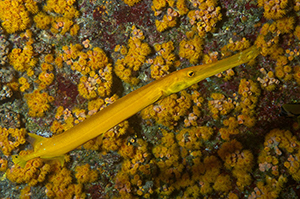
(35, 140)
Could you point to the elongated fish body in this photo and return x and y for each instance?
(58, 145)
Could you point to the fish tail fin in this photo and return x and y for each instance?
(19, 160)
(34, 140)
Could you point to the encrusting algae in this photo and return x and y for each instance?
(73, 73)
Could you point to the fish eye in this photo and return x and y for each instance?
(190, 73)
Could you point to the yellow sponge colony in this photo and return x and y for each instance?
(35, 171)
(92, 86)
(206, 16)
(274, 9)
(42, 20)
(191, 48)
(60, 14)
(249, 92)
(164, 60)
(84, 174)
(22, 59)
(168, 110)
(15, 14)
(95, 68)
(169, 20)
(11, 138)
(131, 2)
(38, 103)
(127, 67)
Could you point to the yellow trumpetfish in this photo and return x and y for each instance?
(58, 145)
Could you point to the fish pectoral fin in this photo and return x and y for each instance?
(60, 159)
